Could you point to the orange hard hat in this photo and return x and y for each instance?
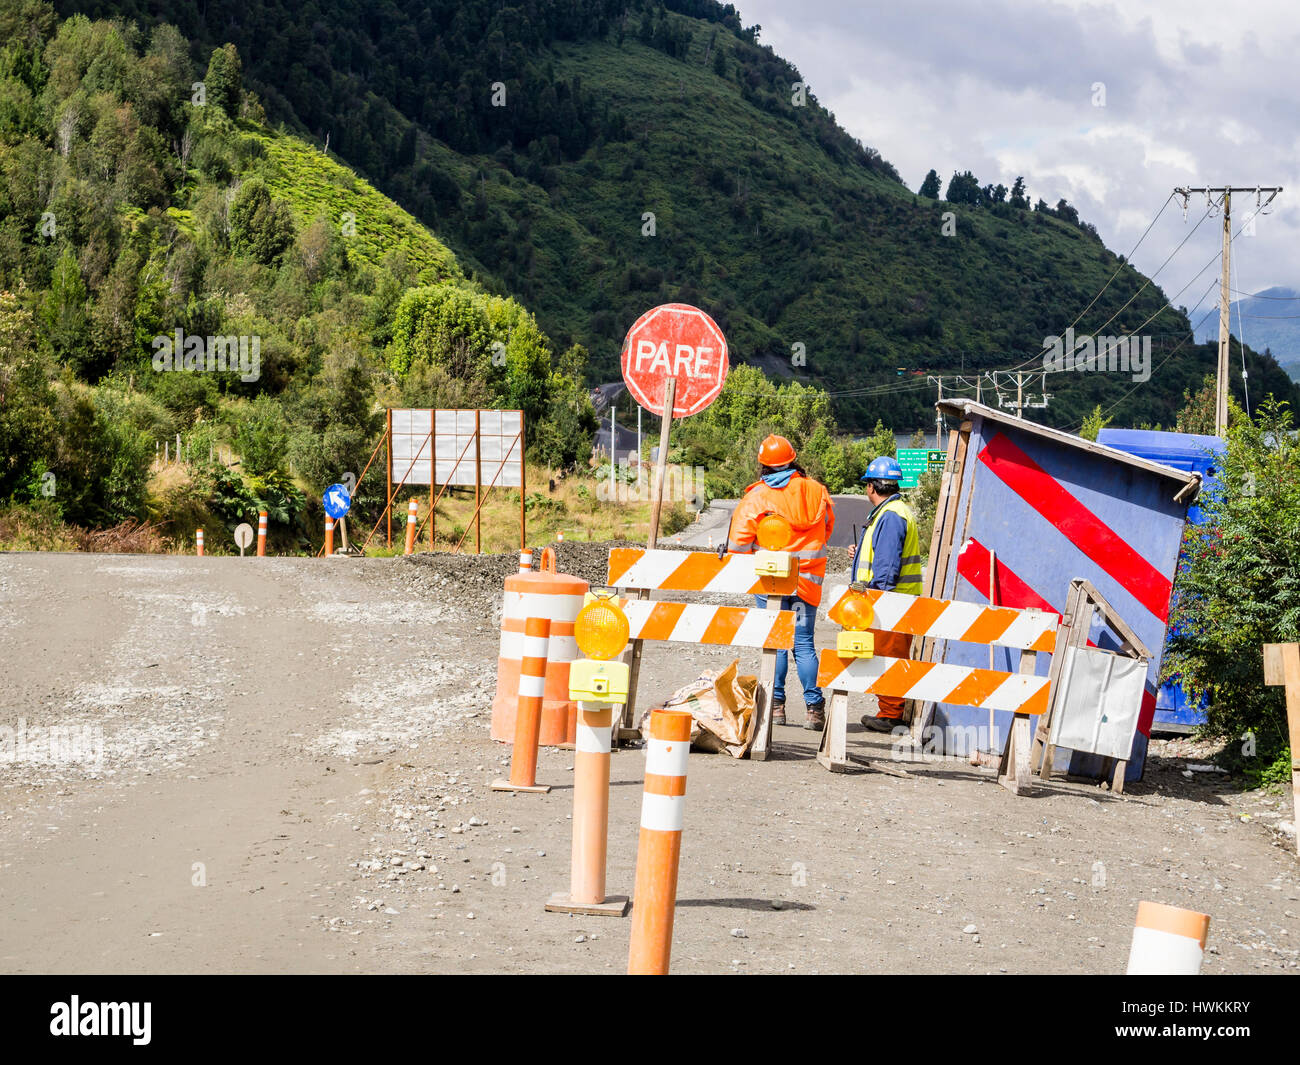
(776, 451)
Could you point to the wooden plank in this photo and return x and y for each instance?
(954, 471)
(1282, 665)
(762, 744)
(1274, 664)
(1066, 636)
(833, 752)
(1111, 618)
(1117, 778)
(627, 729)
(1014, 771)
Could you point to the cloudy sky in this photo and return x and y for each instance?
(1193, 93)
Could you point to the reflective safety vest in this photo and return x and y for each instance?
(909, 573)
(807, 506)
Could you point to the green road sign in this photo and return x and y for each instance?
(913, 461)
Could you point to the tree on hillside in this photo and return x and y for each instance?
(1018, 198)
(224, 81)
(260, 227)
(64, 314)
(930, 186)
(1197, 413)
(964, 188)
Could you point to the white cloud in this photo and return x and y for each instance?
(1195, 93)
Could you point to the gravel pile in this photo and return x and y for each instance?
(475, 582)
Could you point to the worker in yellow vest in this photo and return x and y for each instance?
(888, 557)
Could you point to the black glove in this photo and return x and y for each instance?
(722, 549)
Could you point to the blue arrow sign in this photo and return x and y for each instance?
(337, 501)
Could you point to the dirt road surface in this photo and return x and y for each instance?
(282, 765)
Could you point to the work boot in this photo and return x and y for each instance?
(815, 721)
(880, 724)
(778, 711)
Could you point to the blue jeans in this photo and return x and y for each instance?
(805, 654)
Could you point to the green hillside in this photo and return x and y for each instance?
(800, 241)
(176, 274)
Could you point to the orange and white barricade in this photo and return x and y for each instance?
(771, 629)
(1022, 694)
(412, 513)
(528, 716)
(198, 542)
(557, 597)
(659, 844)
(1167, 941)
(261, 533)
(693, 571)
(951, 619)
(732, 626)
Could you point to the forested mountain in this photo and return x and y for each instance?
(1271, 322)
(595, 157)
(174, 274)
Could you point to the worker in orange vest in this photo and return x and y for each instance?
(784, 489)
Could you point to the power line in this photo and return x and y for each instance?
(1172, 353)
(1261, 296)
(1128, 261)
(1224, 192)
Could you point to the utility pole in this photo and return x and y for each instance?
(1225, 192)
(938, 417)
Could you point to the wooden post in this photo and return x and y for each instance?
(628, 723)
(523, 477)
(758, 751)
(478, 485)
(388, 471)
(1013, 770)
(1282, 666)
(656, 506)
(993, 601)
(433, 471)
(954, 469)
(833, 752)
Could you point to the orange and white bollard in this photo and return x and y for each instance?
(198, 541)
(261, 533)
(586, 894)
(528, 715)
(1167, 941)
(329, 536)
(660, 844)
(412, 511)
(526, 560)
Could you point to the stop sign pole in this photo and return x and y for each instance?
(661, 466)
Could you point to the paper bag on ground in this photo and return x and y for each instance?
(722, 710)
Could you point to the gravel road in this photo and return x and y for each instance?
(282, 765)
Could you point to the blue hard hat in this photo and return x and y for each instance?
(883, 469)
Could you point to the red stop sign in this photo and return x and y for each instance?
(675, 340)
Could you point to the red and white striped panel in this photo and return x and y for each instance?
(694, 571)
(949, 619)
(905, 678)
(734, 626)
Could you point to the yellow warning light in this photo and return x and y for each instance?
(774, 533)
(856, 613)
(601, 629)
